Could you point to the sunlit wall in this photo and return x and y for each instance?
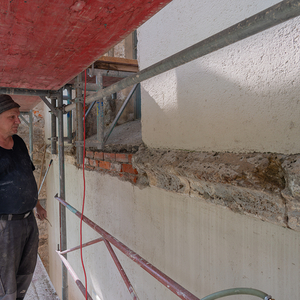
(241, 98)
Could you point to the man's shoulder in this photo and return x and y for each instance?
(18, 141)
(17, 138)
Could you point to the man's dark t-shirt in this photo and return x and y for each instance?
(18, 189)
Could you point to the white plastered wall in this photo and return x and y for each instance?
(242, 98)
(203, 247)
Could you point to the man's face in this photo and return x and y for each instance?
(9, 122)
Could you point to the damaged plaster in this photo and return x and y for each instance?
(266, 186)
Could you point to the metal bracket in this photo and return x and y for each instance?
(79, 100)
(53, 109)
(78, 85)
(94, 143)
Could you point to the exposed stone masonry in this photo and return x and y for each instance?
(266, 186)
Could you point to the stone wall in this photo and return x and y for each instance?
(262, 185)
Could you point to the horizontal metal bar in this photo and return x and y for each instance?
(88, 143)
(173, 286)
(83, 246)
(266, 19)
(74, 276)
(27, 92)
(112, 73)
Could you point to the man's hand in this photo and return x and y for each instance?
(40, 212)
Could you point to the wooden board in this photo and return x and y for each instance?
(117, 64)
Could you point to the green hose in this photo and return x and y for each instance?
(238, 291)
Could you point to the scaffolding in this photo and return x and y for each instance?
(266, 19)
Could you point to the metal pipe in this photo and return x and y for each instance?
(69, 116)
(79, 117)
(89, 109)
(63, 226)
(100, 116)
(30, 135)
(27, 92)
(45, 176)
(121, 270)
(74, 276)
(173, 286)
(266, 19)
(23, 119)
(83, 245)
(53, 127)
(238, 291)
(113, 124)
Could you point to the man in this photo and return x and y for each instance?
(18, 197)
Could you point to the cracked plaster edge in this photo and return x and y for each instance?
(281, 207)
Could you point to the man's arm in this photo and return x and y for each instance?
(40, 212)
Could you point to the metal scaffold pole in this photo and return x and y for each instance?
(79, 117)
(62, 209)
(53, 127)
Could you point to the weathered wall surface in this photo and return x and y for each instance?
(204, 247)
(242, 98)
(265, 186)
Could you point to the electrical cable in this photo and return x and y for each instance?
(83, 201)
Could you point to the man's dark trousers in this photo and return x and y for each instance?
(18, 256)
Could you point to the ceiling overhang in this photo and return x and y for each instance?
(44, 44)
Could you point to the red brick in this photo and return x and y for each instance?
(110, 156)
(104, 164)
(89, 154)
(133, 178)
(130, 158)
(129, 169)
(89, 168)
(122, 157)
(93, 163)
(98, 155)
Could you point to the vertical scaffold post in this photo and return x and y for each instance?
(69, 116)
(62, 209)
(79, 117)
(100, 115)
(53, 127)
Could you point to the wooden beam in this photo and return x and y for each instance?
(117, 64)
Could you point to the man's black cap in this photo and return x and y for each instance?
(7, 103)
